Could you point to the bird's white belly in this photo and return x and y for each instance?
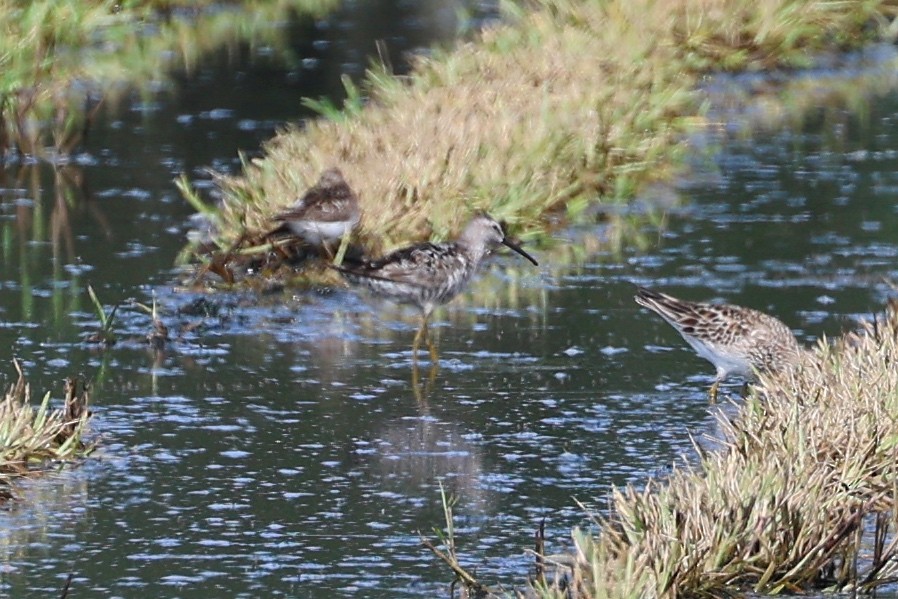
(316, 232)
(726, 362)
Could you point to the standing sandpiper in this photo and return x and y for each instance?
(325, 213)
(736, 340)
(429, 274)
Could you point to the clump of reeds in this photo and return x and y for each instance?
(61, 59)
(799, 493)
(32, 438)
(564, 104)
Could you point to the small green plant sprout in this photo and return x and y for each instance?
(472, 587)
(327, 108)
(158, 335)
(106, 335)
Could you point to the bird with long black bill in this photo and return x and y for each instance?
(430, 274)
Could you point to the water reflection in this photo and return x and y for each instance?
(41, 204)
(417, 451)
(48, 518)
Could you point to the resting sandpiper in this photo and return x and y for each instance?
(736, 340)
(325, 213)
(429, 274)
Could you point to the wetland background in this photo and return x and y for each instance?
(278, 447)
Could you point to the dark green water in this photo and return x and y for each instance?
(280, 449)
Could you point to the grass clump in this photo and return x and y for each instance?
(798, 494)
(31, 438)
(566, 103)
(61, 59)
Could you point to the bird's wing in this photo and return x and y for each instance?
(418, 265)
(319, 203)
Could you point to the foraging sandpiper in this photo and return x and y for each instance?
(325, 213)
(430, 274)
(736, 340)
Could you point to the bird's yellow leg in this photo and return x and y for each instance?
(432, 347)
(328, 252)
(713, 391)
(425, 334)
(415, 345)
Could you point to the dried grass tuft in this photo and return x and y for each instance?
(800, 494)
(31, 437)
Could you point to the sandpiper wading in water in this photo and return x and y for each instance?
(736, 340)
(429, 274)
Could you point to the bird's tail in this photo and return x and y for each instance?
(357, 272)
(668, 307)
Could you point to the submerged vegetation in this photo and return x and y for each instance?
(61, 59)
(564, 104)
(31, 439)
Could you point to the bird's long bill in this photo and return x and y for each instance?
(518, 249)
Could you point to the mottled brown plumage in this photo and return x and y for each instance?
(736, 340)
(429, 274)
(326, 212)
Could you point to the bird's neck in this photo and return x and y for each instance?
(474, 252)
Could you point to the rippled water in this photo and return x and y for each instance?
(279, 446)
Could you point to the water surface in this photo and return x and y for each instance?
(279, 447)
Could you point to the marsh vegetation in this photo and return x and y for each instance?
(60, 61)
(563, 105)
(211, 418)
(799, 495)
(34, 438)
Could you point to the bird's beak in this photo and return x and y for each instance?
(518, 249)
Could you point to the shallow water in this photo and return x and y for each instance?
(279, 446)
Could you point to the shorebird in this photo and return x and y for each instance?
(734, 339)
(325, 213)
(430, 274)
